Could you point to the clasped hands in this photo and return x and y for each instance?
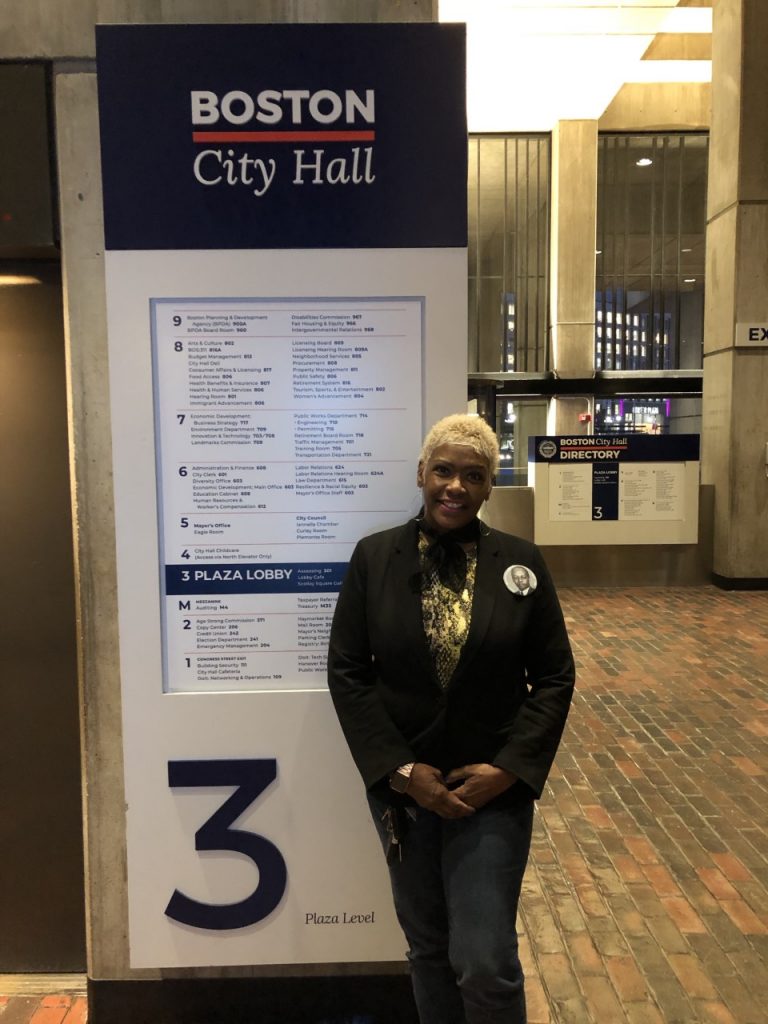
(480, 783)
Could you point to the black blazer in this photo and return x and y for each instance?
(508, 699)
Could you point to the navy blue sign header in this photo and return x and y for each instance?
(283, 136)
(608, 448)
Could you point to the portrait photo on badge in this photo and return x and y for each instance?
(520, 580)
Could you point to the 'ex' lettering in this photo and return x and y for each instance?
(758, 333)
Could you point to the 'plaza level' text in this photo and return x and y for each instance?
(273, 106)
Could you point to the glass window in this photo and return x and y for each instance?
(516, 421)
(651, 224)
(648, 414)
(508, 191)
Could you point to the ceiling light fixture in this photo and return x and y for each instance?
(644, 161)
(7, 280)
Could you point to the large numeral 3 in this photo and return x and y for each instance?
(251, 777)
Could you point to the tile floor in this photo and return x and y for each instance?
(646, 899)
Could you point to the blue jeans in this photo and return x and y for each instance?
(456, 892)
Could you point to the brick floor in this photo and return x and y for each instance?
(649, 869)
(646, 899)
(43, 1009)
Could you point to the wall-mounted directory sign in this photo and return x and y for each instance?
(286, 226)
(615, 489)
(285, 431)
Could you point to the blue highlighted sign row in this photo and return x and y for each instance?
(244, 578)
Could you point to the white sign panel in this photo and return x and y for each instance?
(570, 494)
(313, 811)
(651, 493)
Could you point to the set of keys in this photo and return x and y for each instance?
(395, 822)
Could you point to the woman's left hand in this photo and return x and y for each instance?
(481, 783)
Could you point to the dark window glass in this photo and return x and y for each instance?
(651, 223)
(516, 421)
(508, 191)
(648, 414)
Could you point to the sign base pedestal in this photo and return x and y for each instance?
(362, 999)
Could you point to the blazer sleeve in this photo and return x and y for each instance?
(535, 733)
(376, 744)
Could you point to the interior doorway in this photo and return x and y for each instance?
(42, 921)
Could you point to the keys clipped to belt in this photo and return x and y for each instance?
(395, 821)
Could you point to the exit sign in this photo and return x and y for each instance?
(755, 335)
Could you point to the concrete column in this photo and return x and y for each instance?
(91, 473)
(77, 137)
(563, 415)
(734, 427)
(572, 248)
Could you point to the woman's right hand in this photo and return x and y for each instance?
(427, 787)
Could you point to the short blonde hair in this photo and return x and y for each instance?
(462, 428)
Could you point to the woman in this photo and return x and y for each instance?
(452, 687)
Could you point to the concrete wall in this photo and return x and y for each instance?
(659, 107)
(736, 380)
(63, 29)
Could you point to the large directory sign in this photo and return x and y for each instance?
(618, 489)
(285, 226)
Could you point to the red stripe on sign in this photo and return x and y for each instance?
(363, 136)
